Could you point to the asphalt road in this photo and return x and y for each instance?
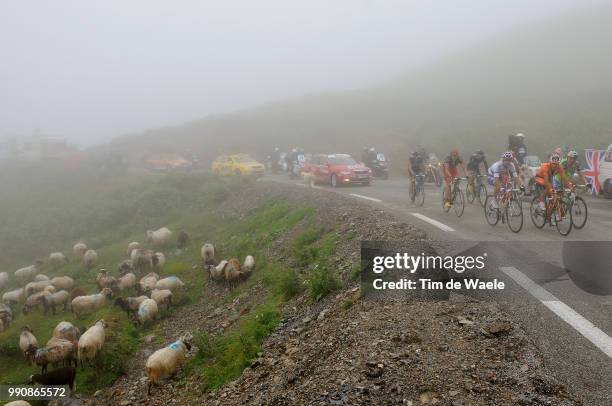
(554, 290)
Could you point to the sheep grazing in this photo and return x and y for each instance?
(142, 259)
(159, 238)
(13, 297)
(159, 260)
(67, 331)
(77, 291)
(162, 297)
(91, 341)
(172, 283)
(182, 239)
(104, 280)
(57, 350)
(40, 277)
(166, 361)
(125, 266)
(126, 281)
(6, 316)
(56, 299)
(18, 403)
(25, 275)
(147, 311)
(130, 304)
(90, 258)
(134, 245)
(4, 280)
(34, 287)
(88, 304)
(79, 250)
(248, 265)
(63, 283)
(28, 343)
(208, 254)
(232, 273)
(50, 289)
(58, 377)
(147, 282)
(57, 260)
(34, 301)
(216, 273)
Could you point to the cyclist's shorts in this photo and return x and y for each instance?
(452, 173)
(490, 180)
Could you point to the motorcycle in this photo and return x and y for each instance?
(432, 174)
(379, 166)
(296, 166)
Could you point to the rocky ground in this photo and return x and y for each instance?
(347, 350)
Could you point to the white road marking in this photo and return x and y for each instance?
(366, 197)
(595, 335)
(433, 222)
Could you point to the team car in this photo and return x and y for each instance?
(337, 169)
(237, 164)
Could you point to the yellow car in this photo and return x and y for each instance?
(237, 164)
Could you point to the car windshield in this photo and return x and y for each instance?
(341, 160)
(243, 158)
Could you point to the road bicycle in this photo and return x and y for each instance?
(508, 208)
(579, 207)
(417, 189)
(457, 200)
(476, 188)
(557, 211)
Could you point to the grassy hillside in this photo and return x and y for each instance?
(549, 80)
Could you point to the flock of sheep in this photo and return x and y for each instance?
(67, 345)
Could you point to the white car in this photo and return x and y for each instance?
(605, 173)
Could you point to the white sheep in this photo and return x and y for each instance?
(28, 343)
(232, 273)
(6, 316)
(63, 282)
(166, 361)
(90, 258)
(41, 277)
(13, 297)
(125, 266)
(216, 273)
(57, 259)
(126, 281)
(56, 299)
(34, 287)
(88, 304)
(162, 297)
(159, 238)
(79, 250)
(130, 304)
(134, 245)
(18, 403)
(67, 331)
(147, 311)
(147, 282)
(142, 259)
(4, 280)
(208, 254)
(172, 283)
(25, 275)
(91, 341)
(159, 260)
(248, 265)
(57, 350)
(34, 300)
(50, 289)
(104, 280)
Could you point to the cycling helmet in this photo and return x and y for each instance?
(572, 154)
(507, 156)
(520, 135)
(480, 152)
(555, 158)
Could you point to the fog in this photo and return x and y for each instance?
(92, 71)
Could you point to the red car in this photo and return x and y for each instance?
(337, 169)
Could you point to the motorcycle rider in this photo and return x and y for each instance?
(549, 177)
(516, 144)
(572, 168)
(478, 158)
(501, 171)
(416, 165)
(451, 163)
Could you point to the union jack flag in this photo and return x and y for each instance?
(591, 171)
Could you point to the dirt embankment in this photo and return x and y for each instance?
(347, 350)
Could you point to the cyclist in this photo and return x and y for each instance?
(550, 175)
(451, 163)
(416, 166)
(478, 158)
(501, 172)
(572, 168)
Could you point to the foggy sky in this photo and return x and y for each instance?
(94, 70)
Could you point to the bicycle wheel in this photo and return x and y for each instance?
(458, 202)
(491, 212)
(469, 193)
(514, 215)
(579, 213)
(538, 217)
(482, 194)
(563, 218)
(411, 192)
(420, 194)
